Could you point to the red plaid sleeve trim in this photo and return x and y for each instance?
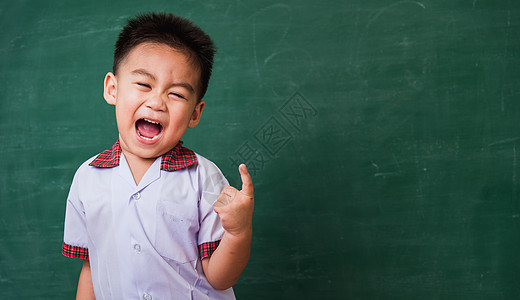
(207, 249)
(178, 158)
(74, 252)
(108, 158)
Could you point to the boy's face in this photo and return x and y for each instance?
(155, 97)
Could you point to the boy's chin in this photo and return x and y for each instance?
(141, 151)
(148, 152)
(145, 149)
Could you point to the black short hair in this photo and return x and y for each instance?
(174, 31)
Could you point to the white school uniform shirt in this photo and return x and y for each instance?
(143, 240)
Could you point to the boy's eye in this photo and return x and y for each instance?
(144, 85)
(177, 95)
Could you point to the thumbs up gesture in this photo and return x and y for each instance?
(235, 207)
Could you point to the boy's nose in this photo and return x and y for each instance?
(155, 102)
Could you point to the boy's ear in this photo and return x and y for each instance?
(110, 92)
(195, 116)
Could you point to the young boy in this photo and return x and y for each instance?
(150, 218)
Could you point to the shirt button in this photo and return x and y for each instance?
(137, 248)
(136, 196)
(147, 296)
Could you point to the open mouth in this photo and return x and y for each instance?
(148, 130)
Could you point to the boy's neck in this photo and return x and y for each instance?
(138, 166)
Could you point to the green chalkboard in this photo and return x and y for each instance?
(382, 135)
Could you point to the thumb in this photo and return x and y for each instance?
(247, 183)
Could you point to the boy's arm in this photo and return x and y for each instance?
(85, 287)
(235, 208)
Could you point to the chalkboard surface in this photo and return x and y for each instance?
(382, 136)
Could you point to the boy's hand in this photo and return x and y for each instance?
(235, 207)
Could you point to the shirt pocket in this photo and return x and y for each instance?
(176, 231)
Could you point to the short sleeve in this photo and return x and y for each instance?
(211, 181)
(75, 240)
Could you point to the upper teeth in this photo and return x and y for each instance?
(153, 122)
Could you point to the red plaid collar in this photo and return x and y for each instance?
(175, 159)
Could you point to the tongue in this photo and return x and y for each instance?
(147, 129)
